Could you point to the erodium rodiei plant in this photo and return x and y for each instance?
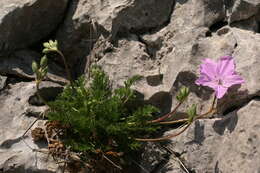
(98, 119)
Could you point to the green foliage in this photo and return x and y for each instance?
(101, 118)
(192, 112)
(50, 46)
(183, 94)
(41, 70)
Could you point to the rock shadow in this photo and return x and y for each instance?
(162, 100)
(181, 1)
(199, 136)
(187, 79)
(48, 94)
(154, 80)
(8, 143)
(229, 122)
(77, 49)
(234, 99)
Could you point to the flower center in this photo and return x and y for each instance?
(219, 81)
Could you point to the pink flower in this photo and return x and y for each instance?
(219, 75)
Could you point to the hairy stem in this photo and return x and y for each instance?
(167, 115)
(165, 137)
(66, 66)
(175, 121)
(211, 110)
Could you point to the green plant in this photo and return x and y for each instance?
(40, 71)
(95, 118)
(100, 118)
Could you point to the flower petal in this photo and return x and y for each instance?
(202, 79)
(230, 80)
(225, 66)
(205, 81)
(220, 91)
(208, 68)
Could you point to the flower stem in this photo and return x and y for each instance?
(211, 110)
(165, 137)
(66, 66)
(167, 115)
(175, 121)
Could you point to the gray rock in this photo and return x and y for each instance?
(3, 80)
(153, 157)
(86, 20)
(206, 13)
(243, 9)
(23, 23)
(164, 41)
(16, 116)
(132, 58)
(175, 52)
(230, 144)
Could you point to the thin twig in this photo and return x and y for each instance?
(45, 151)
(177, 158)
(64, 167)
(140, 166)
(26, 143)
(30, 126)
(110, 161)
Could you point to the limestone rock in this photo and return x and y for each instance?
(3, 80)
(23, 23)
(164, 41)
(243, 9)
(86, 20)
(230, 144)
(153, 156)
(206, 13)
(16, 116)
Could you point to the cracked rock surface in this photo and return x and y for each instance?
(164, 41)
(23, 23)
(17, 114)
(229, 144)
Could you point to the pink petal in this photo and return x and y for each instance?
(225, 66)
(208, 68)
(220, 91)
(230, 80)
(206, 81)
(202, 79)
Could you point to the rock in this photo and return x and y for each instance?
(2, 82)
(16, 116)
(206, 13)
(153, 156)
(86, 20)
(229, 144)
(23, 23)
(164, 41)
(175, 53)
(132, 58)
(243, 9)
